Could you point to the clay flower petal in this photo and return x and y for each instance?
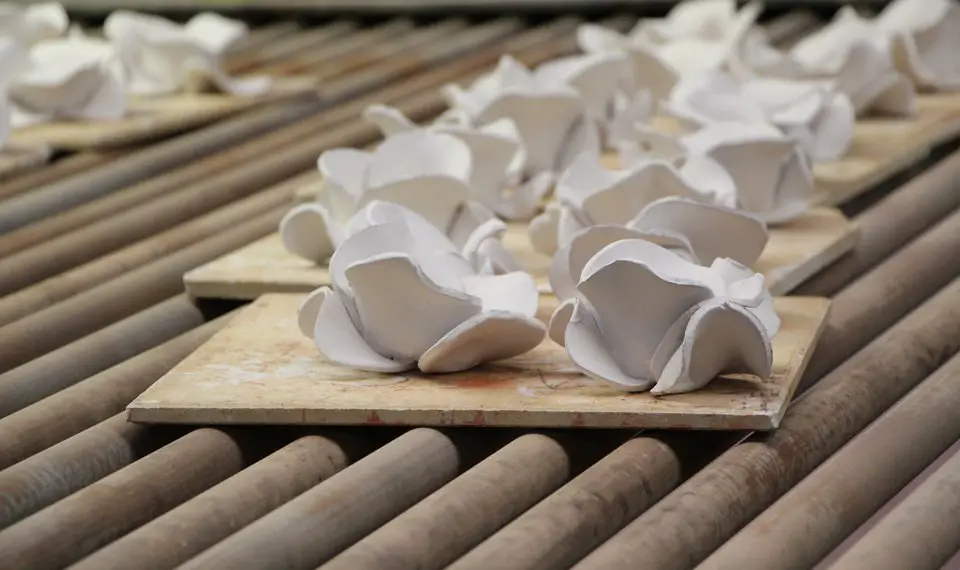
(30, 24)
(925, 38)
(772, 175)
(596, 76)
(712, 231)
(747, 289)
(412, 154)
(70, 78)
(637, 282)
(393, 319)
(308, 232)
(483, 338)
(569, 261)
(718, 337)
(389, 120)
(585, 346)
(160, 56)
(339, 341)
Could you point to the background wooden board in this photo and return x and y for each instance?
(259, 369)
(151, 118)
(795, 252)
(881, 148)
(17, 158)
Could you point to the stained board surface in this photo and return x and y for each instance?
(259, 369)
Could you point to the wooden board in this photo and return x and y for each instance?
(881, 148)
(17, 158)
(259, 369)
(151, 118)
(795, 252)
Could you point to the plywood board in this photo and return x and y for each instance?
(259, 369)
(151, 118)
(15, 159)
(795, 252)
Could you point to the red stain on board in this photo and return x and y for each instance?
(478, 420)
(577, 420)
(373, 420)
(479, 382)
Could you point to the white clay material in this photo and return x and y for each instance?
(813, 113)
(498, 159)
(923, 38)
(772, 174)
(30, 24)
(551, 117)
(436, 198)
(645, 318)
(72, 78)
(695, 231)
(588, 194)
(403, 299)
(162, 57)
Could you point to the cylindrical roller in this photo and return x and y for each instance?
(57, 170)
(74, 463)
(253, 59)
(815, 516)
(390, 33)
(210, 517)
(434, 532)
(889, 224)
(92, 310)
(315, 526)
(54, 371)
(59, 196)
(82, 405)
(882, 296)
(65, 532)
(921, 533)
(565, 526)
(59, 287)
(408, 45)
(689, 523)
(74, 248)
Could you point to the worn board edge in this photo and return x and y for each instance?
(765, 419)
(129, 130)
(786, 279)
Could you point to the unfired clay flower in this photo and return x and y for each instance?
(32, 23)
(161, 57)
(849, 50)
(814, 114)
(68, 78)
(402, 299)
(644, 318)
(589, 194)
(551, 117)
(426, 172)
(923, 38)
(695, 231)
(498, 159)
(772, 175)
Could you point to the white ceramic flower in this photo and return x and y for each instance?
(161, 57)
(644, 318)
(551, 117)
(850, 50)
(695, 231)
(696, 37)
(771, 173)
(401, 299)
(32, 23)
(588, 194)
(67, 78)
(498, 159)
(423, 171)
(923, 37)
(812, 113)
